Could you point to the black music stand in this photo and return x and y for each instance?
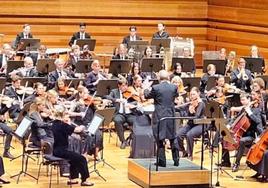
(45, 66)
(151, 65)
(74, 82)
(212, 82)
(2, 83)
(160, 43)
(187, 64)
(254, 64)
(32, 80)
(191, 82)
(29, 44)
(22, 132)
(104, 87)
(219, 64)
(118, 66)
(13, 65)
(82, 42)
(83, 66)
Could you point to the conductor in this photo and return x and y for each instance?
(164, 95)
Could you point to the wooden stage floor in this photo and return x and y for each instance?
(115, 178)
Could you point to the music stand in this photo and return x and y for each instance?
(83, 66)
(219, 64)
(21, 133)
(104, 87)
(32, 80)
(254, 64)
(13, 65)
(82, 42)
(29, 44)
(118, 66)
(2, 83)
(187, 64)
(73, 82)
(160, 43)
(191, 82)
(151, 65)
(45, 66)
(212, 82)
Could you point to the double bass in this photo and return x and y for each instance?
(256, 151)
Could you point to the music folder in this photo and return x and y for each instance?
(23, 127)
(95, 124)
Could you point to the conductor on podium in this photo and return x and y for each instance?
(164, 95)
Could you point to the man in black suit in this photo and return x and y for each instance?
(80, 35)
(164, 95)
(28, 70)
(25, 34)
(132, 35)
(122, 113)
(41, 54)
(161, 34)
(6, 55)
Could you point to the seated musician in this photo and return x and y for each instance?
(4, 128)
(39, 92)
(148, 52)
(241, 77)
(40, 130)
(82, 34)
(253, 114)
(161, 33)
(7, 54)
(94, 77)
(41, 54)
(121, 53)
(223, 55)
(177, 71)
(211, 71)
(74, 57)
(63, 90)
(27, 71)
(132, 35)
(62, 128)
(60, 72)
(25, 34)
(135, 70)
(230, 63)
(255, 54)
(195, 109)
(122, 113)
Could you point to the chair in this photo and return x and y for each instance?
(51, 161)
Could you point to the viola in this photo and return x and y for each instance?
(130, 93)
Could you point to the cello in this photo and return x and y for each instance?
(256, 151)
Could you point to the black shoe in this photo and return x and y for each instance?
(86, 183)
(235, 167)
(176, 163)
(262, 179)
(123, 145)
(256, 176)
(8, 155)
(184, 154)
(224, 164)
(72, 182)
(4, 181)
(160, 164)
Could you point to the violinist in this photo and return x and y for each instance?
(122, 114)
(27, 71)
(39, 92)
(40, 130)
(94, 77)
(195, 109)
(253, 113)
(135, 70)
(63, 90)
(241, 77)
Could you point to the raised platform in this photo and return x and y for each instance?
(188, 174)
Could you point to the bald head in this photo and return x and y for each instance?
(163, 75)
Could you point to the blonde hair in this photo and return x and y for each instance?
(34, 106)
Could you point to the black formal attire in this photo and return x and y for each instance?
(76, 36)
(129, 38)
(36, 56)
(118, 56)
(2, 169)
(120, 116)
(163, 35)
(7, 130)
(190, 130)
(41, 130)
(18, 39)
(248, 137)
(72, 61)
(239, 82)
(203, 82)
(164, 95)
(54, 75)
(91, 78)
(32, 72)
(78, 163)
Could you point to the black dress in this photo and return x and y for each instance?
(78, 163)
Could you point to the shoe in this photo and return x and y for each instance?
(235, 167)
(86, 183)
(72, 182)
(123, 145)
(161, 165)
(255, 176)
(262, 179)
(176, 163)
(4, 181)
(184, 154)
(8, 155)
(224, 164)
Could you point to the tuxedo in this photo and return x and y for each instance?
(164, 35)
(54, 75)
(77, 36)
(19, 37)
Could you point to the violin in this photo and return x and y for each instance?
(130, 93)
(194, 104)
(67, 91)
(25, 90)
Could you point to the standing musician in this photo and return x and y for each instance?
(94, 77)
(80, 35)
(132, 35)
(241, 77)
(161, 34)
(253, 114)
(25, 34)
(195, 109)
(61, 128)
(122, 113)
(164, 95)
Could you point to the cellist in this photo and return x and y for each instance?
(254, 116)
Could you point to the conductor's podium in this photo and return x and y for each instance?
(187, 174)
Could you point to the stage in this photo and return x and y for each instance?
(187, 174)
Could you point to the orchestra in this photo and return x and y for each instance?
(61, 111)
